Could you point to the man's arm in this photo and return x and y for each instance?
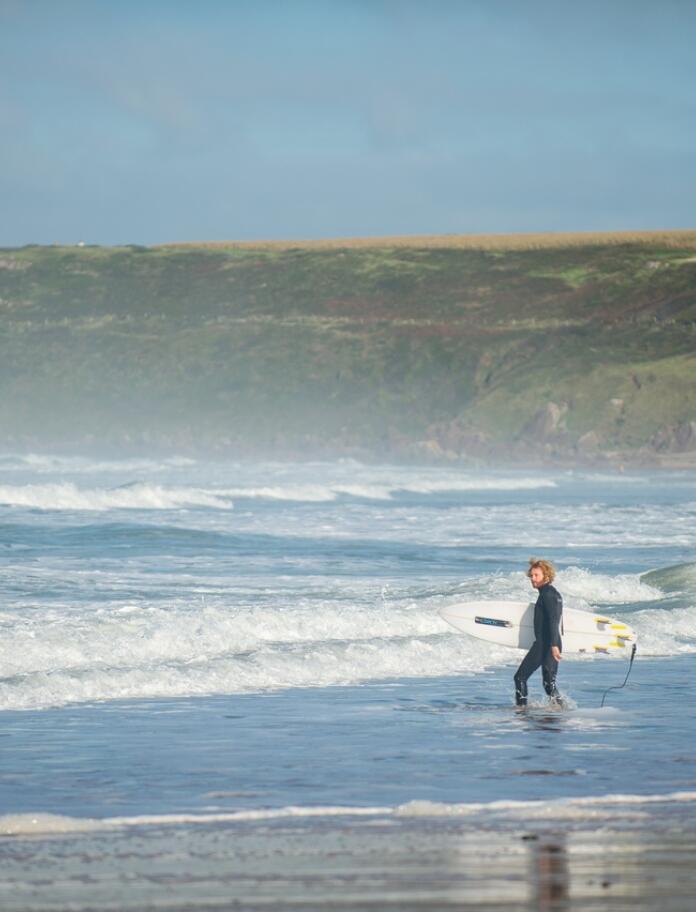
(553, 606)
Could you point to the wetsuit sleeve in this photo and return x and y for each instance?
(553, 609)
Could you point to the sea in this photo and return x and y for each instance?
(228, 685)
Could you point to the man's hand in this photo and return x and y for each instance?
(556, 653)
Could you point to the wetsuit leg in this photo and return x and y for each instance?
(549, 670)
(528, 666)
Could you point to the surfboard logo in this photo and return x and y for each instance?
(492, 622)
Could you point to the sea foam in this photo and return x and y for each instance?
(376, 490)
(66, 495)
(138, 496)
(591, 808)
(53, 655)
(152, 652)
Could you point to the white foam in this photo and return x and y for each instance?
(56, 655)
(665, 632)
(612, 806)
(553, 808)
(46, 824)
(580, 588)
(309, 493)
(54, 658)
(53, 824)
(605, 589)
(67, 496)
(477, 483)
(385, 490)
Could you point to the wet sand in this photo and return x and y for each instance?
(408, 864)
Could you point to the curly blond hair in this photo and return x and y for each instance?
(546, 567)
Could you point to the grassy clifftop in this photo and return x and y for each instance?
(567, 347)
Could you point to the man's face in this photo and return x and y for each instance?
(537, 577)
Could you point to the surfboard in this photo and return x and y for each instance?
(512, 624)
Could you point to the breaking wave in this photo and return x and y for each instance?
(57, 658)
(66, 495)
(138, 496)
(380, 491)
(58, 655)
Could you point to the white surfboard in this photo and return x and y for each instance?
(512, 624)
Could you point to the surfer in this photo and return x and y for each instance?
(546, 648)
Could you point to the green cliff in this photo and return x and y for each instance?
(563, 350)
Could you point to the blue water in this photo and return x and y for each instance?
(182, 637)
(442, 740)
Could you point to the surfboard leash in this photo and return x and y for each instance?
(619, 686)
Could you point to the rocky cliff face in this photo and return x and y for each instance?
(676, 438)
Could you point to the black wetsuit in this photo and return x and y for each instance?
(547, 632)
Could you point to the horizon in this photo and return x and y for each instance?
(678, 237)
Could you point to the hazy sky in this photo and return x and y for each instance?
(140, 121)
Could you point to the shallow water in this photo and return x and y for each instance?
(446, 740)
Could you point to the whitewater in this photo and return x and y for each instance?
(174, 578)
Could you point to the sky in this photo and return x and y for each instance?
(150, 121)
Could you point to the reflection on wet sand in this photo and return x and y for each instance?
(549, 872)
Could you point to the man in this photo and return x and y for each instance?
(546, 649)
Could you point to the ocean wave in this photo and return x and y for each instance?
(605, 589)
(53, 658)
(590, 808)
(309, 493)
(107, 651)
(666, 632)
(580, 588)
(385, 490)
(47, 464)
(679, 577)
(66, 495)
(138, 496)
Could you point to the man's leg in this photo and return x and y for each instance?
(549, 670)
(528, 666)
